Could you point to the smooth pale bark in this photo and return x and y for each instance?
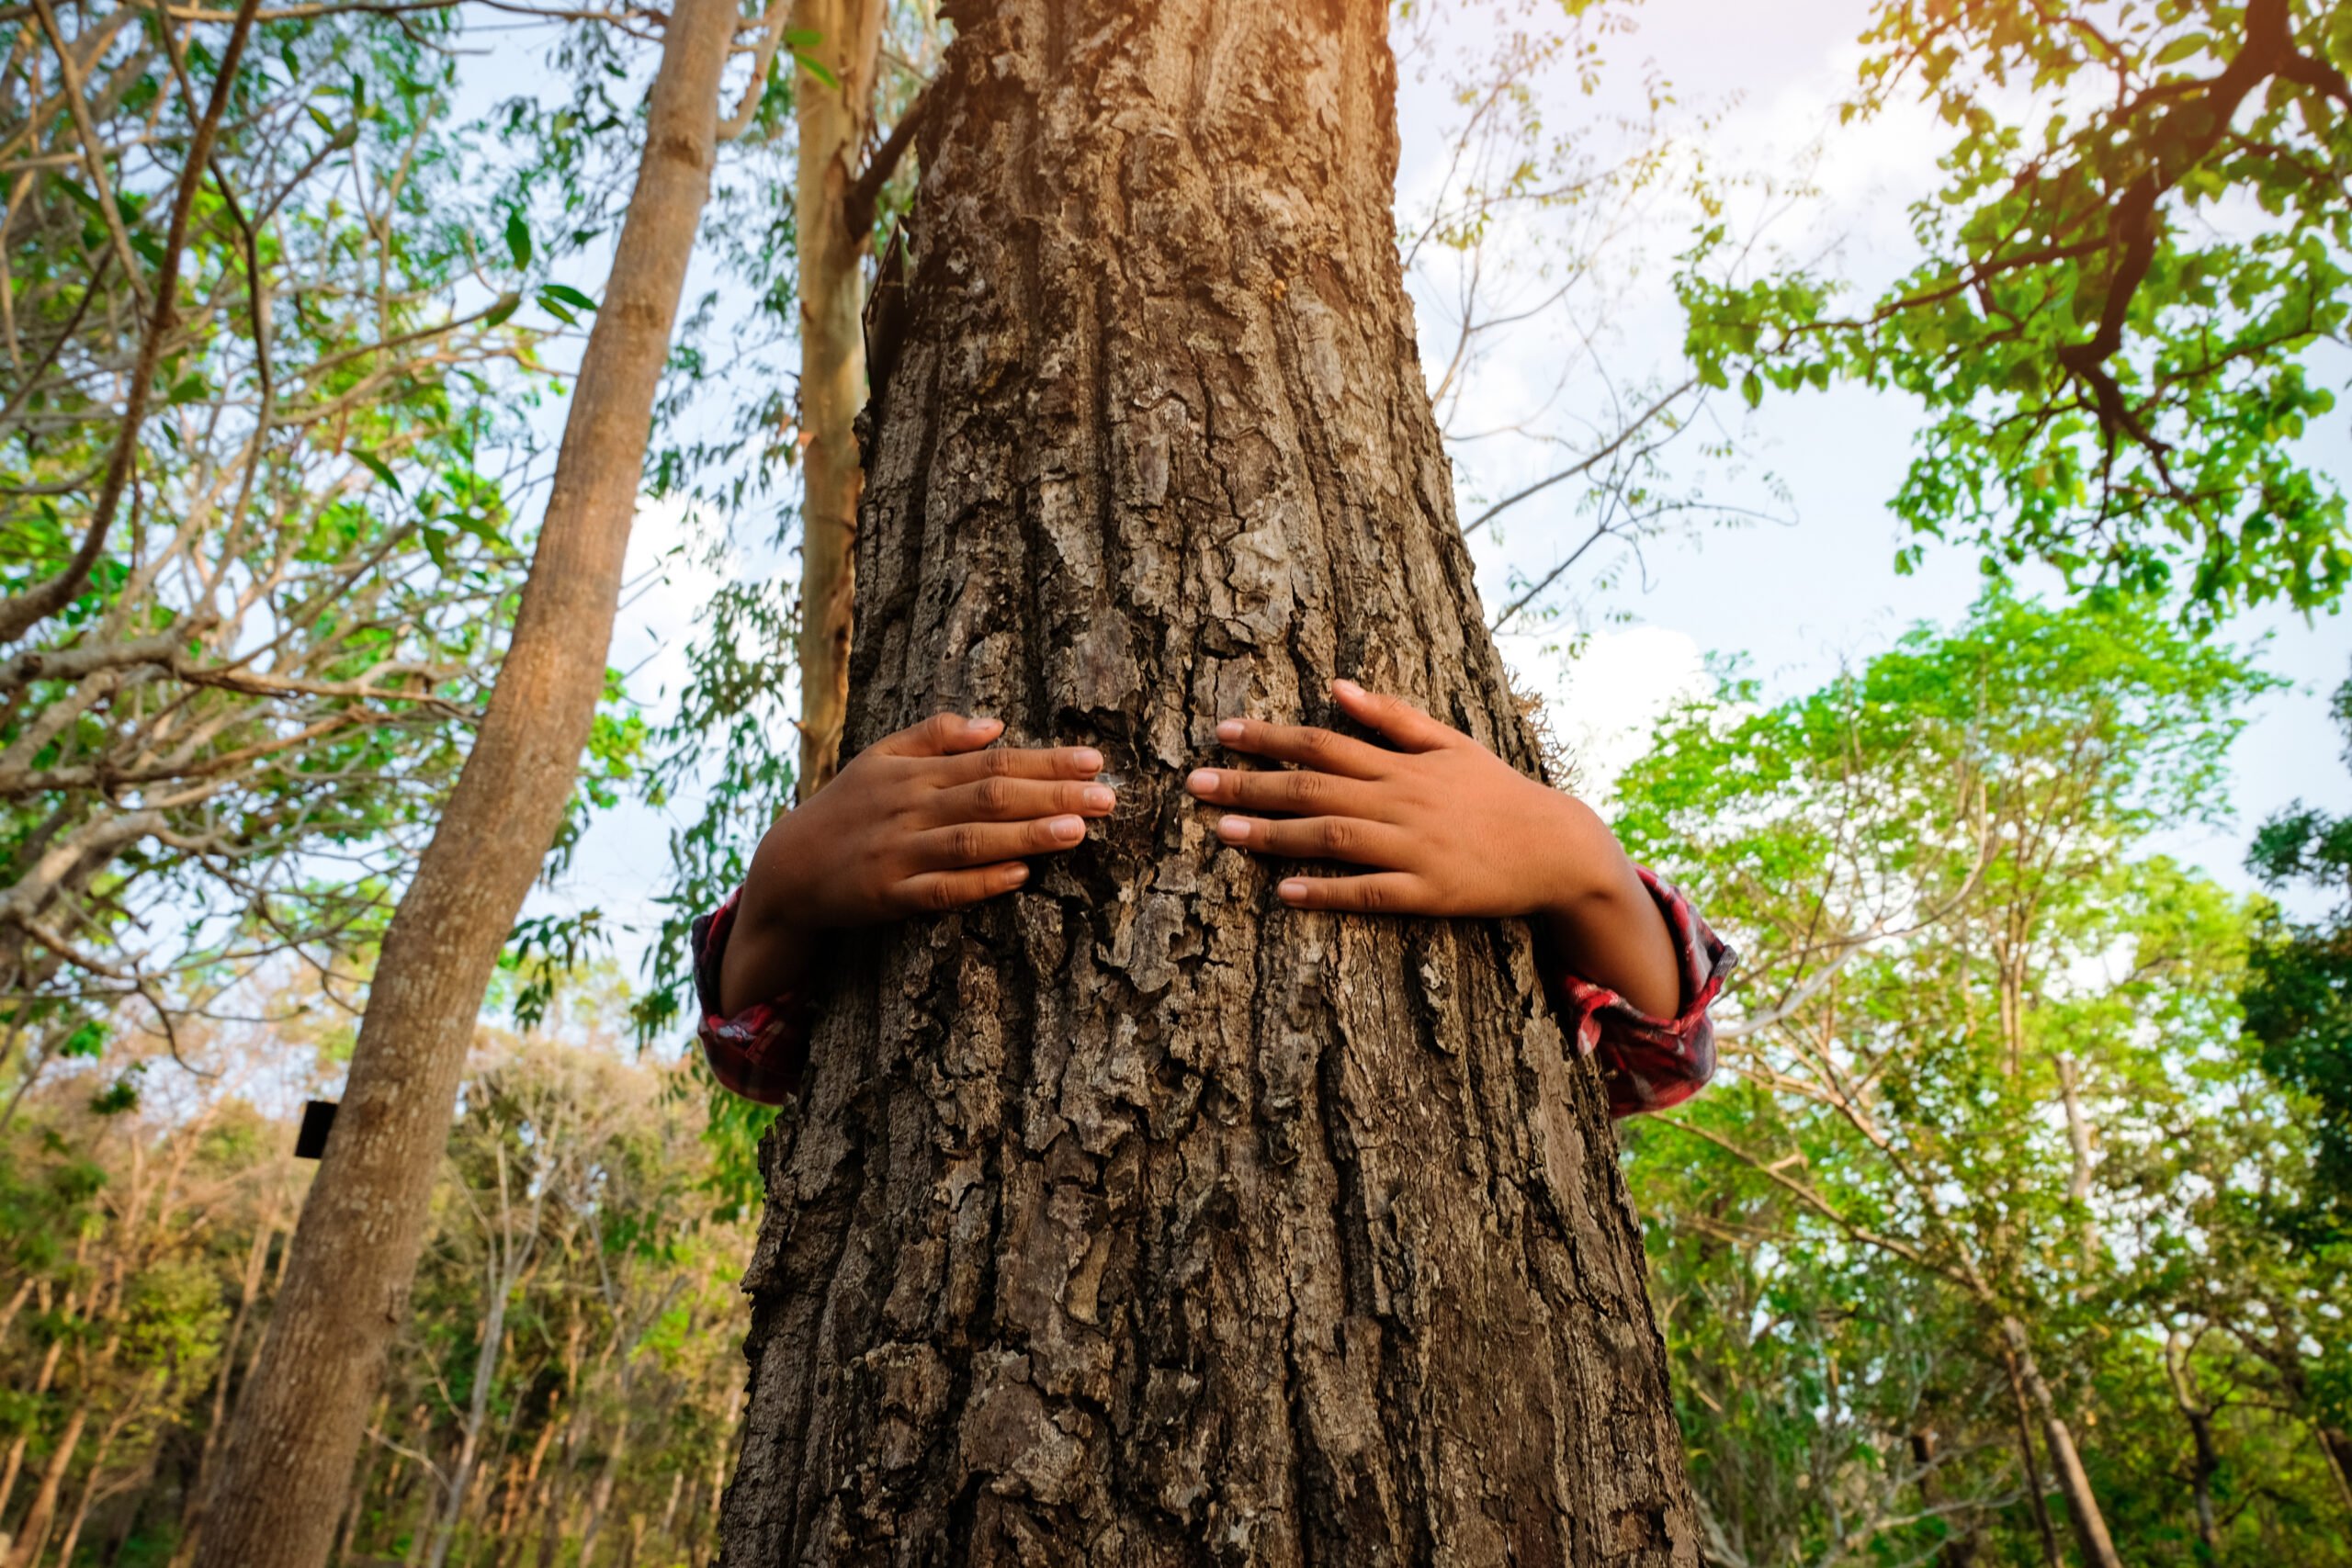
(32, 1532)
(2074, 1482)
(1135, 1220)
(2078, 1140)
(299, 1426)
(832, 123)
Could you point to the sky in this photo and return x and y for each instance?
(1796, 597)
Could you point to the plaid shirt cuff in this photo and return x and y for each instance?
(1651, 1063)
(761, 1051)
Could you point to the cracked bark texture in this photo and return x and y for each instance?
(1135, 1219)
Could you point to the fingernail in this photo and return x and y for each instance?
(1233, 829)
(1098, 797)
(976, 724)
(1201, 781)
(1292, 890)
(1347, 688)
(1070, 828)
(1228, 729)
(1087, 758)
(1015, 875)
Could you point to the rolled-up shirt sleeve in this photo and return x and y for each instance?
(1647, 1062)
(762, 1052)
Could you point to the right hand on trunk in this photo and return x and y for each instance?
(928, 820)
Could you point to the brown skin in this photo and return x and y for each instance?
(927, 820)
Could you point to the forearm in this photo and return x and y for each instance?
(1603, 925)
(768, 952)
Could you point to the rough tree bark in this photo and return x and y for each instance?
(1135, 1220)
(831, 123)
(299, 1422)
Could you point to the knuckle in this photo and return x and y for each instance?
(1306, 789)
(940, 896)
(998, 763)
(994, 794)
(1371, 896)
(964, 840)
(1339, 837)
(1317, 742)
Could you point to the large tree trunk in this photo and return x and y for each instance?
(1135, 1219)
(831, 122)
(299, 1425)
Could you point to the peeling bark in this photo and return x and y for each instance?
(1136, 1219)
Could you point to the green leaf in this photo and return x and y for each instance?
(567, 294)
(518, 240)
(817, 68)
(378, 466)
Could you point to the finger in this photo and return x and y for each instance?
(940, 735)
(1301, 792)
(1319, 838)
(1025, 762)
(1394, 718)
(941, 890)
(980, 843)
(1376, 893)
(1307, 747)
(1001, 798)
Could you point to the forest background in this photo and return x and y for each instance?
(2003, 1097)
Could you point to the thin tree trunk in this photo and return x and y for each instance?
(249, 1290)
(2204, 1461)
(89, 1491)
(33, 1534)
(355, 1505)
(832, 122)
(1136, 1219)
(2074, 1482)
(2079, 1137)
(2034, 1490)
(13, 1464)
(299, 1426)
(1960, 1546)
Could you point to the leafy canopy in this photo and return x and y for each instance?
(2140, 241)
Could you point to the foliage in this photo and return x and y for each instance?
(1990, 1116)
(2140, 243)
(257, 675)
(569, 1351)
(2299, 993)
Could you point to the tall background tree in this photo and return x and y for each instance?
(298, 1431)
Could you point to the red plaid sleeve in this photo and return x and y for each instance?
(761, 1051)
(1652, 1063)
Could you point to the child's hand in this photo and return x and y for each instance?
(1447, 828)
(920, 821)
